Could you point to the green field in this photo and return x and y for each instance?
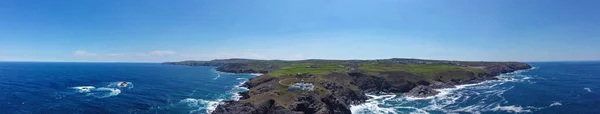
(295, 68)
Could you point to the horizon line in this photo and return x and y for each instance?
(283, 60)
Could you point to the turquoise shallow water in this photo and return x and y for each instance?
(551, 87)
(31, 87)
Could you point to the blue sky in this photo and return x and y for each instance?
(159, 30)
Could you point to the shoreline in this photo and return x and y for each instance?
(372, 104)
(445, 90)
(238, 95)
(239, 88)
(223, 72)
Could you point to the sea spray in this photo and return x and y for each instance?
(372, 105)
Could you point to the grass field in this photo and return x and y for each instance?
(418, 69)
(318, 69)
(370, 67)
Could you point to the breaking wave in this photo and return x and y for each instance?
(555, 104)
(218, 75)
(201, 105)
(236, 91)
(587, 89)
(372, 105)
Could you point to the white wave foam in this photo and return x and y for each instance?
(105, 92)
(241, 78)
(555, 104)
(84, 89)
(236, 91)
(201, 104)
(256, 74)
(521, 71)
(588, 89)
(218, 75)
(511, 109)
(471, 109)
(372, 105)
(443, 92)
(112, 89)
(417, 110)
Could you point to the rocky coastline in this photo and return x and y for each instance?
(342, 89)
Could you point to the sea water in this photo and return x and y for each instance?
(550, 87)
(34, 87)
(63, 88)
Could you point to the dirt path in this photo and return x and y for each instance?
(281, 83)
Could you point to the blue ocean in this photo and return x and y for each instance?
(41, 87)
(548, 88)
(46, 87)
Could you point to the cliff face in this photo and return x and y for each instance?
(335, 92)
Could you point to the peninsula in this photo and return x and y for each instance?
(332, 86)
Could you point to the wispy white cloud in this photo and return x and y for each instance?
(151, 53)
(298, 57)
(147, 56)
(83, 53)
(248, 55)
(115, 54)
(141, 54)
(162, 52)
(157, 53)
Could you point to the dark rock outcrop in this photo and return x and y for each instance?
(341, 97)
(308, 105)
(244, 95)
(266, 107)
(234, 107)
(257, 81)
(421, 91)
